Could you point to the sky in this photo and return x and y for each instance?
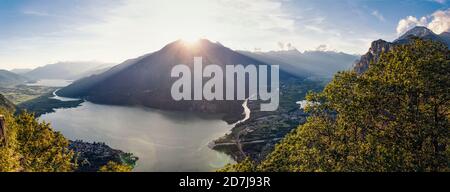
(39, 32)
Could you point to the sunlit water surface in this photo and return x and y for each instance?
(51, 83)
(163, 140)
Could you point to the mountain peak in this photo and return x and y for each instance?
(201, 41)
(147, 80)
(378, 42)
(376, 49)
(420, 28)
(191, 45)
(380, 46)
(418, 31)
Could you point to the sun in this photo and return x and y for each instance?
(190, 39)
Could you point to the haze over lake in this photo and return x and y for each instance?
(163, 140)
(51, 83)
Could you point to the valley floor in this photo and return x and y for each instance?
(22, 93)
(257, 137)
(254, 138)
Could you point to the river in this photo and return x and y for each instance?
(163, 140)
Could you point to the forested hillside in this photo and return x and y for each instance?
(393, 117)
(27, 145)
(6, 104)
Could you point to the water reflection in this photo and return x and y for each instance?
(163, 140)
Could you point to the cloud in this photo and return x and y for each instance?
(438, 22)
(141, 26)
(440, 1)
(378, 15)
(35, 13)
(409, 23)
(123, 29)
(132, 28)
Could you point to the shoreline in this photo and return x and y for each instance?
(212, 144)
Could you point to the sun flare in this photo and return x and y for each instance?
(190, 39)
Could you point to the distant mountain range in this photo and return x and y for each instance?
(61, 70)
(316, 64)
(381, 46)
(21, 71)
(67, 70)
(8, 78)
(146, 80)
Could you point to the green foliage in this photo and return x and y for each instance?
(247, 165)
(394, 117)
(6, 104)
(9, 158)
(33, 146)
(42, 149)
(115, 167)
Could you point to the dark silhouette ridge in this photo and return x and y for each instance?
(146, 81)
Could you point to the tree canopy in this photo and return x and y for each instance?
(33, 146)
(394, 117)
(115, 167)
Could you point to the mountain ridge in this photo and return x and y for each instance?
(321, 64)
(20, 71)
(70, 70)
(8, 78)
(380, 46)
(6, 104)
(146, 81)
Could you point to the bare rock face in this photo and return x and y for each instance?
(418, 31)
(373, 55)
(380, 46)
(2, 130)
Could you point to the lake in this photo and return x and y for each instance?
(51, 83)
(163, 140)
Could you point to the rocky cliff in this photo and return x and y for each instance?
(377, 48)
(380, 46)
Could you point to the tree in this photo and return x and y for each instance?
(9, 158)
(33, 146)
(394, 117)
(42, 149)
(247, 165)
(115, 167)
